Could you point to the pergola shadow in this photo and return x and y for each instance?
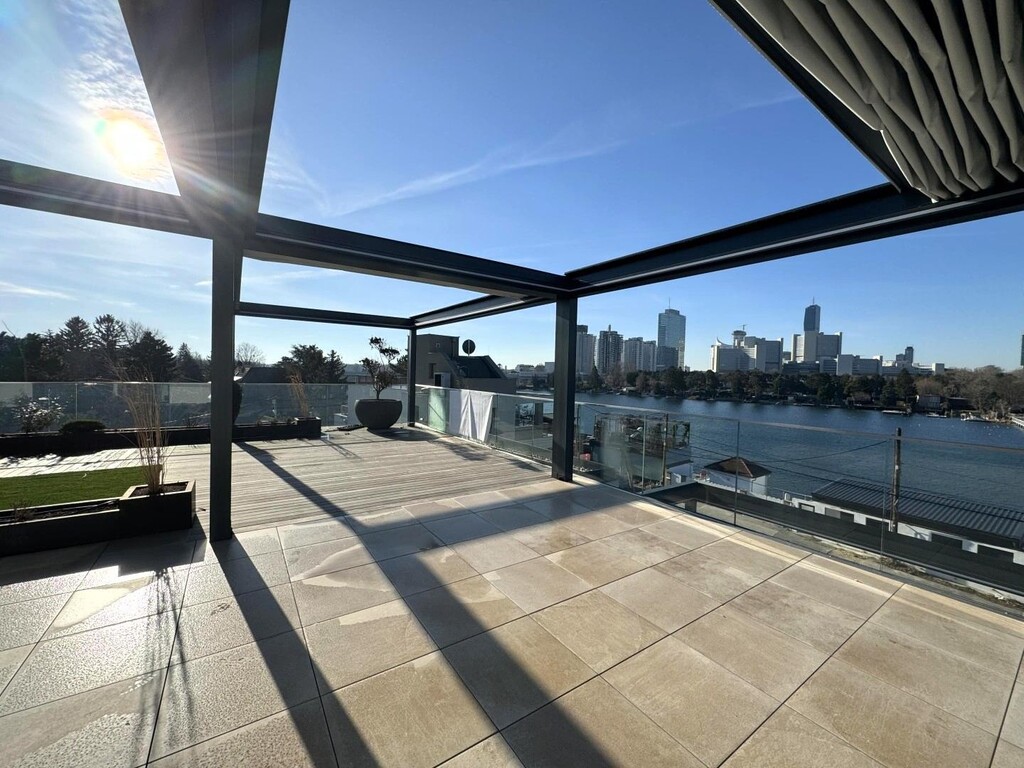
(586, 752)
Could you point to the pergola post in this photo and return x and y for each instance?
(410, 406)
(562, 425)
(227, 268)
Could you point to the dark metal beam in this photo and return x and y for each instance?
(563, 420)
(863, 137)
(211, 69)
(485, 306)
(227, 261)
(295, 242)
(859, 217)
(277, 312)
(40, 189)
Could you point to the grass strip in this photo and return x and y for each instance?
(64, 487)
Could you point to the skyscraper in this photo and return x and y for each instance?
(812, 327)
(609, 350)
(672, 332)
(812, 319)
(648, 358)
(585, 343)
(632, 354)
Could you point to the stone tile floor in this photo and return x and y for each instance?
(543, 624)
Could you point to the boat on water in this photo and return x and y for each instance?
(894, 412)
(937, 416)
(973, 417)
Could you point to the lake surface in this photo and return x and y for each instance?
(805, 448)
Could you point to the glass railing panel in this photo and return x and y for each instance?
(516, 424)
(959, 507)
(785, 477)
(637, 449)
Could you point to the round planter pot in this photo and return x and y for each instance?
(378, 414)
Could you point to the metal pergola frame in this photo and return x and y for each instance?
(211, 69)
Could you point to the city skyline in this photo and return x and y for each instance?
(643, 154)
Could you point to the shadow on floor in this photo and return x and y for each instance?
(585, 751)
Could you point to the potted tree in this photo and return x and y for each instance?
(379, 414)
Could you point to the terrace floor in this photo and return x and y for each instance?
(533, 623)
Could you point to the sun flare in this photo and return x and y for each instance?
(133, 143)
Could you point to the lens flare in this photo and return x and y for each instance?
(132, 142)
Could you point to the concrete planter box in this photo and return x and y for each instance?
(122, 518)
(43, 443)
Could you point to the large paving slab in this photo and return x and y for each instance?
(475, 613)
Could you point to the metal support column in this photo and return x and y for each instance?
(565, 389)
(410, 405)
(227, 267)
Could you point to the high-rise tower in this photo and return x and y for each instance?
(672, 333)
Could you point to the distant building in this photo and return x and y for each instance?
(632, 354)
(829, 345)
(812, 345)
(439, 363)
(905, 362)
(855, 365)
(747, 353)
(609, 350)
(585, 346)
(812, 319)
(739, 473)
(726, 358)
(648, 357)
(665, 357)
(672, 333)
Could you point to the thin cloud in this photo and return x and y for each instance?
(617, 127)
(13, 289)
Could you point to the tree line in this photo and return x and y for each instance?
(110, 349)
(990, 389)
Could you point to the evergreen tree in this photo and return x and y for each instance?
(74, 344)
(334, 368)
(109, 339)
(187, 366)
(149, 358)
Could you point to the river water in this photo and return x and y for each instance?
(806, 448)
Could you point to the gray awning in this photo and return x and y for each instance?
(942, 81)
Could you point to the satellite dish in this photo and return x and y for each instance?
(469, 346)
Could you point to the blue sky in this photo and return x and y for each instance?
(547, 134)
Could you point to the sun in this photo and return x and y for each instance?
(132, 141)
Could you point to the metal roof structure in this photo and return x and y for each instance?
(975, 521)
(930, 93)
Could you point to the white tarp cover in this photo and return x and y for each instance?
(470, 413)
(942, 80)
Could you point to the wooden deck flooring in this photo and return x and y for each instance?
(352, 473)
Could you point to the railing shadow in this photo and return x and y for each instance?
(587, 753)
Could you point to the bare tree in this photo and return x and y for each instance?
(246, 356)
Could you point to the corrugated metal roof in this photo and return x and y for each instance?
(942, 513)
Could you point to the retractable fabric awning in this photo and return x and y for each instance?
(942, 80)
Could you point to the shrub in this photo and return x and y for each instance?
(82, 426)
(36, 415)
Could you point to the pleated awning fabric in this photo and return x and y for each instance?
(941, 80)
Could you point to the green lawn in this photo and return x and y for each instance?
(62, 487)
